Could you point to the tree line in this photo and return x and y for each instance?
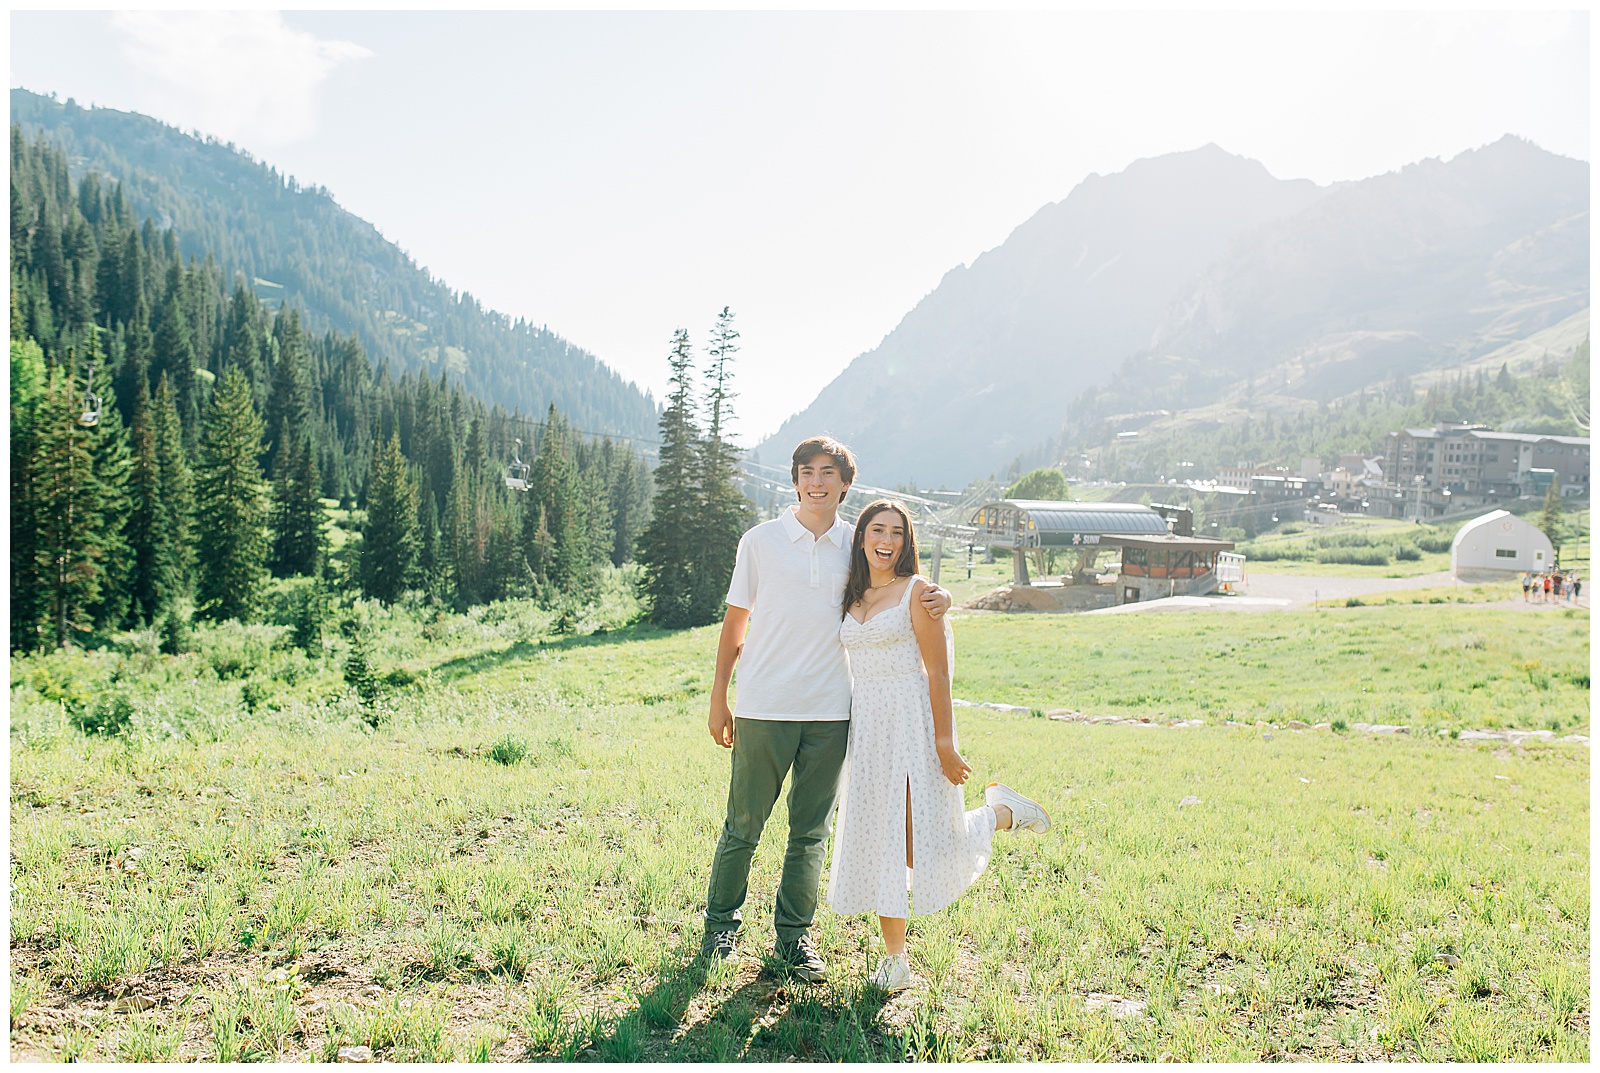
(1542, 399)
(223, 426)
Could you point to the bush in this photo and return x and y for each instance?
(508, 750)
(1355, 601)
(292, 668)
(109, 715)
(235, 650)
(400, 677)
(1268, 553)
(143, 649)
(359, 674)
(1405, 553)
(176, 637)
(254, 694)
(1431, 540)
(52, 681)
(1339, 726)
(310, 612)
(1354, 556)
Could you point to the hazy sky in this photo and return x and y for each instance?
(617, 176)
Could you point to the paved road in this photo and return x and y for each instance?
(1277, 592)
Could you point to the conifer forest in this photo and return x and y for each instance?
(178, 440)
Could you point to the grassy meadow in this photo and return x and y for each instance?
(510, 865)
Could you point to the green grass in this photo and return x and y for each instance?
(304, 882)
(1432, 666)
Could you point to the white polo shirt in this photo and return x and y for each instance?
(793, 666)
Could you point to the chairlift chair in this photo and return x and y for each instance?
(517, 472)
(91, 402)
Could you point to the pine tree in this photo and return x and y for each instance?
(288, 412)
(241, 345)
(558, 503)
(629, 493)
(148, 527)
(505, 571)
(177, 498)
(430, 570)
(138, 349)
(297, 536)
(724, 345)
(389, 539)
(725, 512)
(28, 394)
(174, 357)
(465, 544)
(69, 552)
(111, 461)
(667, 545)
(230, 506)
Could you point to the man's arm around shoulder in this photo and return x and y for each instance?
(936, 600)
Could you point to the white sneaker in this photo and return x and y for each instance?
(1026, 814)
(894, 974)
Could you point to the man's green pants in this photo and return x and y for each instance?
(764, 751)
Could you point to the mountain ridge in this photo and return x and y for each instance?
(346, 275)
(1167, 263)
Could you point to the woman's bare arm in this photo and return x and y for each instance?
(935, 659)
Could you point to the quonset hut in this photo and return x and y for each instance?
(1155, 562)
(1499, 545)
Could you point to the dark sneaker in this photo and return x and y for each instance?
(799, 956)
(717, 946)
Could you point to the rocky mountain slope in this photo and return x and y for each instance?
(1162, 285)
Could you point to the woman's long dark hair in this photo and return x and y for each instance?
(859, 579)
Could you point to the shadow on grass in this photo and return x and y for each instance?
(836, 1022)
(465, 666)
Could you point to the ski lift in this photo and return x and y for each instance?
(91, 402)
(517, 472)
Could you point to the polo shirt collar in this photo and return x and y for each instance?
(794, 530)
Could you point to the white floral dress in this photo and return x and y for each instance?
(892, 748)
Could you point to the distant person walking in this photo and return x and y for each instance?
(1577, 586)
(901, 817)
(793, 707)
(1547, 580)
(1526, 581)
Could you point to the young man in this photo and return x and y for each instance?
(794, 701)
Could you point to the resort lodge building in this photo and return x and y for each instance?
(1452, 466)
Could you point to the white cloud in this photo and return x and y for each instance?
(245, 76)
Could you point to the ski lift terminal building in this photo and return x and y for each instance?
(1160, 556)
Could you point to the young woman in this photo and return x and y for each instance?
(901, 799)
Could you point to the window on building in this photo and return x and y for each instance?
(1505, 553)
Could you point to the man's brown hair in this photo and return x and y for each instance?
(823, 445)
